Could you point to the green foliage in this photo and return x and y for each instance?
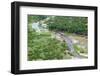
(80, 49)
(43, 47)
(35, 18)
(76, 25)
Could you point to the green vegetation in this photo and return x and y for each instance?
(80, 49)
(42, 46)
(35, 18)
(76, 25)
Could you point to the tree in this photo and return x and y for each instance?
(35, 18)
(69, 24)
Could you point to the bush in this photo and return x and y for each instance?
(42, 47)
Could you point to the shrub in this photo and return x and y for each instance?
(43, 47)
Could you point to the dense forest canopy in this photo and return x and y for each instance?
(76, 25)
(70, 24)
(35, 18)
